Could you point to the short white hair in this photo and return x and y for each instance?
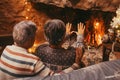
(23, 31)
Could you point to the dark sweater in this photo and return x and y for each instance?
(56, 59)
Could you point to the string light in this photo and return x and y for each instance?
(118, 31)
(27, 10)
(116, 26)
(26, 17)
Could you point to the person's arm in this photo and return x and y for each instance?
(76, 65)
(80, 39)
(43, 71)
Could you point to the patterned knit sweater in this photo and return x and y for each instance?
(56, 59)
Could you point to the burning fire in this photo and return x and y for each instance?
(94, 32)
(99, 32)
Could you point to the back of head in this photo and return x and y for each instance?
(23, 31)
(54, 31)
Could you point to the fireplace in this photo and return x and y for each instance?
(96, 19)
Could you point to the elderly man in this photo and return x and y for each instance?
(16, 61)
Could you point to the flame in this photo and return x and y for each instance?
(33, 48)
(96, 25)
(98, 33)
(99, 41)
(94, 31)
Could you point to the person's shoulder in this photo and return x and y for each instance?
(33, 56)
(71, 48)
(42, 48)
(43, 45)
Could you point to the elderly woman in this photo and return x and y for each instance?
(52, 54)
(16, 61)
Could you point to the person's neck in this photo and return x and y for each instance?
(20, 46)
(55, 46)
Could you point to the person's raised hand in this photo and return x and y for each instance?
(68, 28)
(81, 28)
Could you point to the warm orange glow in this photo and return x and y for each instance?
(95, 29)
(116, 26)
(26, 17)
(28, 9)
(118, 31)
(99, 32)
(32, 49)
(96, 25)
(26, 2)
(99, 39)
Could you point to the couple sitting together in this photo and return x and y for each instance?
(49, 59)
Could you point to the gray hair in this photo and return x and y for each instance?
(23, 31)
(54, 31)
